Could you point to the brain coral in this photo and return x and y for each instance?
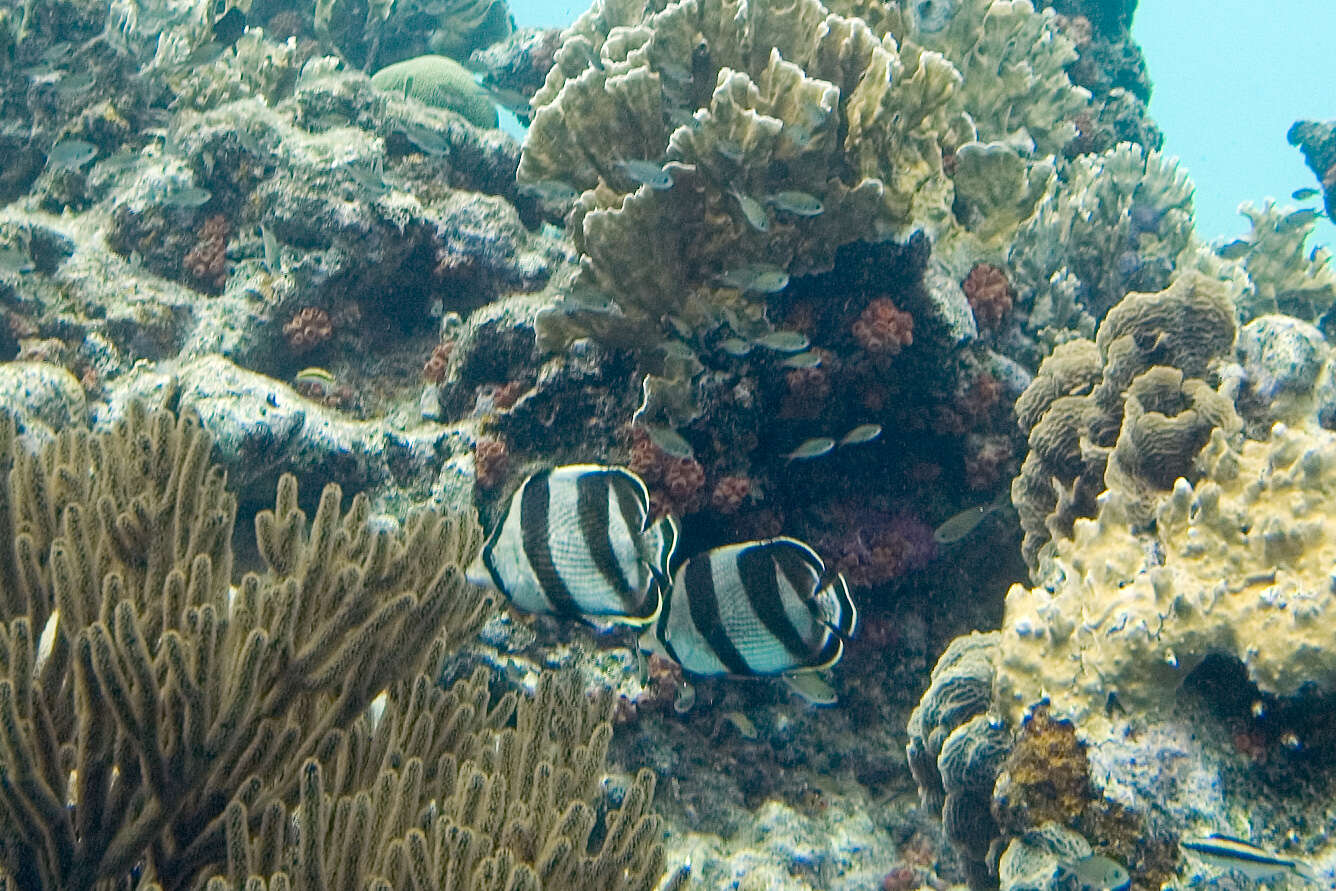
(1128, 411)
(1238, 563)
(441, 82)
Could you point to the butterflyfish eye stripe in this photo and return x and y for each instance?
(533, 522)
(757, 570)
(704, 606)
(592, 510)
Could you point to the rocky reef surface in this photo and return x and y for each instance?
(910, 281)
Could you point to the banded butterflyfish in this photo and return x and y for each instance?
(757, 609)
(576, 541)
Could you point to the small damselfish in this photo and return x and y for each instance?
(759, 608)
(576, 541)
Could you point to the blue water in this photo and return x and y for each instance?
(1230, 77)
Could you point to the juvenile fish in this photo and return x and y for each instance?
(762, 277)
(189, 196)
(861, 434)
(735, 346)
(71, 154)
(957, 526)
(1304, 194)
(755, 609)
(15, 260)
(551, 190)
(647, 173)
(1298, 219)
(797, 203)
(426, 139)
(808, 359)
(669, 440)
(1235, 250)
(1098, 873)
(1245, 857)
(576, 541)
(314, 375)
(273, 257)
(783, 341)
(753, 211)
(812, 448)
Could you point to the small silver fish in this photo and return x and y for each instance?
(735, 346)
(783, 341)
(71, 154)
(812, 448)
(1297, 219)
(797, 203)
(808, 359)
(187, 196)
(1096, 872)
(550, 190)
(676, 349)
(15, 259)
(647, 173)
(273, 257)
(426, 139)
(669, 440)
(753, 211)
(1304, 194)
(957, 526)
(368, 177)
(761, 277)
(861, 434)
(1245, 857)
(1235, 250)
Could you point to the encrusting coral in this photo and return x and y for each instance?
(1128, 411)
(1237, 562)
(153, 718)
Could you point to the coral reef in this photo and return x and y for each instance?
(1127, 411)
(989, 294)
(441, 83)
(1241, 568)
(1116, 222)
(1280, 275)
(1317, 141)
(308, 328)
(956, 747)
(766, 89)
(205, 704)
(206, 262)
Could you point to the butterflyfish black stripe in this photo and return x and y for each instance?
(534, 528)
(756, 568)
(704, 606)
(591, 507)
(489, 549)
